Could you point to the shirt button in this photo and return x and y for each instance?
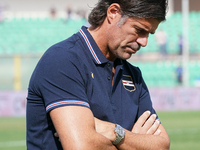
(108, 78)
(108, 64)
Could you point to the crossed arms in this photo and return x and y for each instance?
(79, 130)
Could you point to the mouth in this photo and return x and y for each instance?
(133, 48)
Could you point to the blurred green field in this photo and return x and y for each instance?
(12, 133)
(182, 127)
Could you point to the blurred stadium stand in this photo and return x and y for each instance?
(34, 35)
(27, 37)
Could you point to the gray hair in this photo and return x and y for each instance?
(155, 9)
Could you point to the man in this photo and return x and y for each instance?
(84, 89)
(179, 74)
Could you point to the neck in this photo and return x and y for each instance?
(113, 74)
(100, 37)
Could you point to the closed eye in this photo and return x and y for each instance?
(142, 32)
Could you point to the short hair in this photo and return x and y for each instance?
(155, 9)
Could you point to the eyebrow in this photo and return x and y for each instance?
(144, 29)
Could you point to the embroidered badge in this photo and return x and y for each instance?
(128, 83)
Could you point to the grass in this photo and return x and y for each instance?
(183, 129)
(12, 133)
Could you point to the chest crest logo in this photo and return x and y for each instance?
(128, 84)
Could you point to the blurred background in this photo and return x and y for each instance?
(170, 63)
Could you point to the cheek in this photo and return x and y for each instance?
(119, 38)
(114, 41)
(127, 41)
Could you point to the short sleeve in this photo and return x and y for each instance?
(60, 79)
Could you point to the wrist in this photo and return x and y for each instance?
(120, 134)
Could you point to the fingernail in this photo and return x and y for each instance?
(148, 112)
(158, 121)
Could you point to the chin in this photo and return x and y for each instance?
(125, 57)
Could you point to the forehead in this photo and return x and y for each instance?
(150, 25)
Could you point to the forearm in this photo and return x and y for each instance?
(77, 134)
(99, 142)
(147, 134)
(93, 141)
(134, 141)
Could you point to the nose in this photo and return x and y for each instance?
(142, 40)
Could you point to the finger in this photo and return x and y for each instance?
(142, 119)
(56, 134)
(137, 128)
(157, 132)
(148, 124)
(154, 127)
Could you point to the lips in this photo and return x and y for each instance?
(134, 47)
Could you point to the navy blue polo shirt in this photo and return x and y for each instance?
(75, 72)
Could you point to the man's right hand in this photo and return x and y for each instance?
(147, 124)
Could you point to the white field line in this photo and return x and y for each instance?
(12, 144)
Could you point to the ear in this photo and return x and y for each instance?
(113, 12)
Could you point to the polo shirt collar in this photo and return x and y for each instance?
(96, 53)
